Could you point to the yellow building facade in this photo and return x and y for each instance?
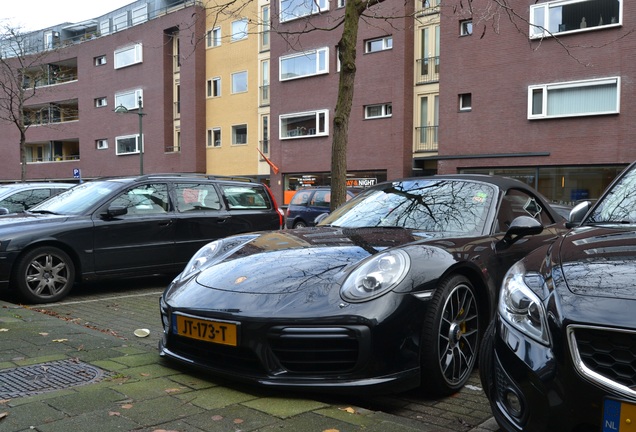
(237, 70)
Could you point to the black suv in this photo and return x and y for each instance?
(124, 226)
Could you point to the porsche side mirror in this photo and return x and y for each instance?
(4, 211)
(520, 227)
(578, 213)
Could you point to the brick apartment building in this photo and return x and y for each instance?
(304, 85)
(544, 97)
(143, 51)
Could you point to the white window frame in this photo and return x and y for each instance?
(465, 101)
(320, 64)
(294, 9)
(100, 60)
(385, 43)
(544, 24)
(214, 83)
(386, 110)
(213, 38)
(284, 134)
(234, 82)
(239, 34)
(212, 140)
(341, 3)
(466, 27)
(101, 102)
(126, 137)
(101, 144)
(235, 128)
(129, 99)
(121, 56)
(544, 90)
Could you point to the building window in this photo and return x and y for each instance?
(139, 14)
(239, 134)
(129, 99)
(101, 144)
(560, 16)
(340, 3)
(292, 9)
(128, 56)
(380, 44)
(265, 36)
(307, 124)
(576, 98)
(239, 30)
(265, 134)
(304, 64)
(214, 137)
(120, 22)
(100, 60)
(213, 37)
(466, 27)
(100, 102)
(378, 111)
(239, 82)
(465, 101)
(214, 87)
(128, 144)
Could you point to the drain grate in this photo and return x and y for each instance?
(45, 377)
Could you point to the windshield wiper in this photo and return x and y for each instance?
(42, 212)
(617, 222)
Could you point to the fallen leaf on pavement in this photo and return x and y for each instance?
(349, 410)
(60, 340)
(217, 417)
(43, 334)
(238, 421)
(114, 414)
(4, 329)
(3, 415)
(127, 406)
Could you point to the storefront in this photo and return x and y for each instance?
(560, 184)
(357, 179)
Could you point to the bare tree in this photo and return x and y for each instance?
(22, 69)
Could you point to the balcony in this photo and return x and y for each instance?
(426, 139)
(264, 95)
(53, 151)
(427, 70)
(50, 74)
(51, 113)
(427, 7)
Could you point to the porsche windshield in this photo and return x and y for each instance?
(78, 199)
(453, 206)
(619, 205)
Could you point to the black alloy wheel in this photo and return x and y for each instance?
(450, 338)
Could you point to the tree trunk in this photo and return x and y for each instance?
(347, 56)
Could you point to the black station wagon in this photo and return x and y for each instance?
(116, 227)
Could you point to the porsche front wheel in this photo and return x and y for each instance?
(450, 338)
(44, 274)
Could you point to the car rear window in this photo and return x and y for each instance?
(246, 197)
(300, 198)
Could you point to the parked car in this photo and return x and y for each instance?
(309, 203)
(391, 291)
(125, 226)
(17, 197)
(560, 353)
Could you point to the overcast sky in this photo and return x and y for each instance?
(38, 14)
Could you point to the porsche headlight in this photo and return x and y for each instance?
(521, 307)
(375, 277)
(213, 252)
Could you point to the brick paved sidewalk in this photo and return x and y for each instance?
(104, 379)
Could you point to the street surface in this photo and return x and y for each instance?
(118, 308)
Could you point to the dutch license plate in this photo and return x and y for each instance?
(619, 416)
(220, 332)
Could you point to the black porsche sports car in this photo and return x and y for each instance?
(560, 354)
(391, 291)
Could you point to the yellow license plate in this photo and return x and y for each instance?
(619, 416)
(220, 332)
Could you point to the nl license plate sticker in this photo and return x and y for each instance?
(219, 332)
(619, 416)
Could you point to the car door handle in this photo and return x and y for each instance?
(166, 223)
(222, 220)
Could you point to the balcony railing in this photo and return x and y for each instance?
(427, 70)
(264, 95)
(426, 139)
